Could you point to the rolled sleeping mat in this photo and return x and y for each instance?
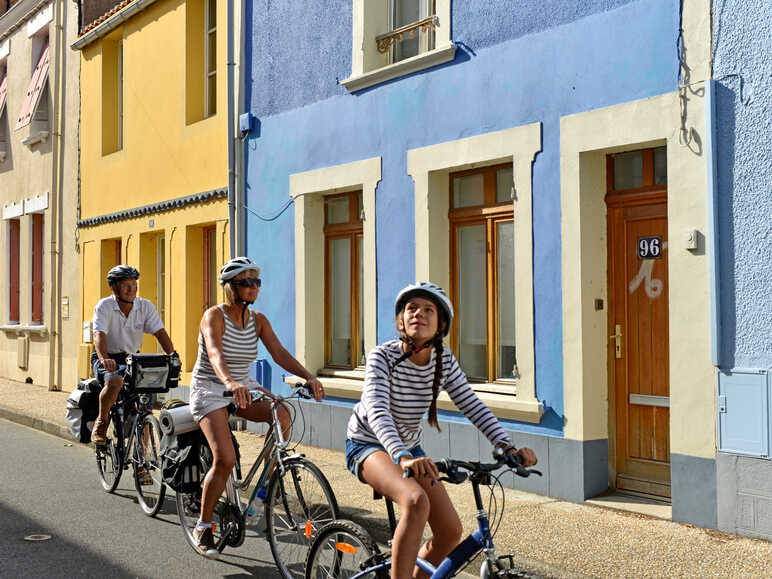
(178, 420)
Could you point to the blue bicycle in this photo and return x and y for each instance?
(344, 549)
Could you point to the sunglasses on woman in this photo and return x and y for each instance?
(248, 282)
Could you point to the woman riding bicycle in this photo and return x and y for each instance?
(402, 382)
(227, 345)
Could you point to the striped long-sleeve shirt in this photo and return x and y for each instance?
(390, 411)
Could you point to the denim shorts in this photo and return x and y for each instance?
(357, 452)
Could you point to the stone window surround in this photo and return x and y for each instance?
(364, 47)
(430, 168)
(308, 189)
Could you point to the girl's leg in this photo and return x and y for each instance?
(217, 432)
(445, 525)
(380, 472)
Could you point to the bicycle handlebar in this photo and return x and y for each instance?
(300, 390)
(450, 467)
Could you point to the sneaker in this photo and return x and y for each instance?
(144, 476)
(205, 542)
(99, 433)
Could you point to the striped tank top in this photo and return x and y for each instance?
(239, 347)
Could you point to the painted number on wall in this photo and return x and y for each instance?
(649, 247)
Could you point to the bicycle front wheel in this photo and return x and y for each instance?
(298, 503)
(148, 480)
(109, 459)
(341, 549)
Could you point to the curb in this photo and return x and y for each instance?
(37, 424)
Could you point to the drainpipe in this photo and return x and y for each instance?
(54, 283)
(713, 224)
(231, 144)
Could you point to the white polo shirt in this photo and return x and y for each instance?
(125, 333)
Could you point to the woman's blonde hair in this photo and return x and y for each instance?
(230, 293)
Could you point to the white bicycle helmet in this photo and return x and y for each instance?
(121, 272)
(234, 267)
(428, 290)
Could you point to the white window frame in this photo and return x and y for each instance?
(369, 67)
(423, 38)
(430, 168)
(209, 31)
(309, 189)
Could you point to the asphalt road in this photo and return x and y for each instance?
(48, 487)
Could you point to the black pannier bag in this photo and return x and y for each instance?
(83, 409)
(186, 458)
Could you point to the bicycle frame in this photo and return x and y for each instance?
(275, 446)
(137, 410)
(479, 540)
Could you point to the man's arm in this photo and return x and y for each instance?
(165, 341)
(100, 345)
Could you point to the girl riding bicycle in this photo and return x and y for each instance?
(227, 345)
(402, 382)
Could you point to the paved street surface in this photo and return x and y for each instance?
(47, 487)
(552, 537)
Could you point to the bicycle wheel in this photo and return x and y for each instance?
(297, 504)
(150, 496)
(189, 508)
(341, 549)
(109, 459)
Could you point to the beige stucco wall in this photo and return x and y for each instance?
(28, 171)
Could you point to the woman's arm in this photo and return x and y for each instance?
(377, 403)
(283, 358)
(212, 328)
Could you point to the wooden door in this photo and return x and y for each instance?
(638, 341)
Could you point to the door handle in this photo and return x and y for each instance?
(617, 335)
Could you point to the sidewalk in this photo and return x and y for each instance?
(556, 538)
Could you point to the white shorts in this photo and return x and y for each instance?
(207, 395)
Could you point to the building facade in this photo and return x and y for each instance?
(154, 168)
(544, 163)
(38, 191)
(742, 243)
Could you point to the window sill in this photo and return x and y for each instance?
(20, 329)
(404, 67)
(504, 406)
(34, 139)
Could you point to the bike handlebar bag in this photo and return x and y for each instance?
(152, 373)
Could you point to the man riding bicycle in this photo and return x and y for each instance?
(120, 322)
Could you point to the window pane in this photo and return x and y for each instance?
(660, 166)
(37, 267)
(211, 89)
(211, 56)
(468, 191)
(628, 170)
(14, 229)
(337, 210)
(472, 316)
(212, 18)
(504, 185)
(505, 245)
(406, 12)
(340, 301)
(361, 313)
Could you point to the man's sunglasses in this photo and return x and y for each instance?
(248, 282)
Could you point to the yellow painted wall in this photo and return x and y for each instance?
(168, 150)
(183, 292)
(163, 154)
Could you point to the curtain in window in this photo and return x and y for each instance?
(472, 317)
(506, 298)
(340, 301)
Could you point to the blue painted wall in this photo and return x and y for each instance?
(516, 63)
(742, 68)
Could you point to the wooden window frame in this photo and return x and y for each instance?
(38, 257)
(14, 260)
(490, 214)
(648, 191)
(352, 229)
